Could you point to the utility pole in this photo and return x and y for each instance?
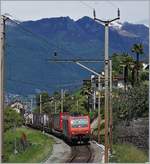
(110, 103)
(62, 97)
(41, 111)
(55, 106)
(40, 103)
(123, 68)
(106, 24)
(94, 99)
(31, 104)
(126, 77)
(99, 107)
(99, 97)
(93, 86)
(77, 105)
(2, 52)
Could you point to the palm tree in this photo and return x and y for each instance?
(126, 62)
(138, 49)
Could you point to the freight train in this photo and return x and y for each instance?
(73, 128)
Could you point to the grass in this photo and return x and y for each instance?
(39, 149)
(127, 153)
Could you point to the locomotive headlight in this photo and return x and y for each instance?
(71, 122)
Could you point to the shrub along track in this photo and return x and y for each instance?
(80, 154)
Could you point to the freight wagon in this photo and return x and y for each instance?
(71, 128)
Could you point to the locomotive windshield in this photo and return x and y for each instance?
(79, 123)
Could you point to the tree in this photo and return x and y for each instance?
(132, 104)
(45, 100)
(127, 61)
(137, 49)
(86, 87)
(120, 61)
(11, 118)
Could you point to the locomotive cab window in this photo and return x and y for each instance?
(79, 123)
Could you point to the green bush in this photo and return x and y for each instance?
(11, 119)
(131, 104)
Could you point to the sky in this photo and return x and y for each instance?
(131, 11)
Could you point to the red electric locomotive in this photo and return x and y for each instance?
(76, 128)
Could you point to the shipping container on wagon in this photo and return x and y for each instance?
(47, 123)
(37, 120)
(41, 119)
(45, 119)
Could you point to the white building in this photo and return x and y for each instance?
(17, 106)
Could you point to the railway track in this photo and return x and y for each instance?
(81, 154)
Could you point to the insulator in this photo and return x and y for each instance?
(55, 53)
(118, 13)
(94, 13)
(125, 74)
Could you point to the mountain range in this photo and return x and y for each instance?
(30, 44)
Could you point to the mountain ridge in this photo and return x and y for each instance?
(83, 39)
